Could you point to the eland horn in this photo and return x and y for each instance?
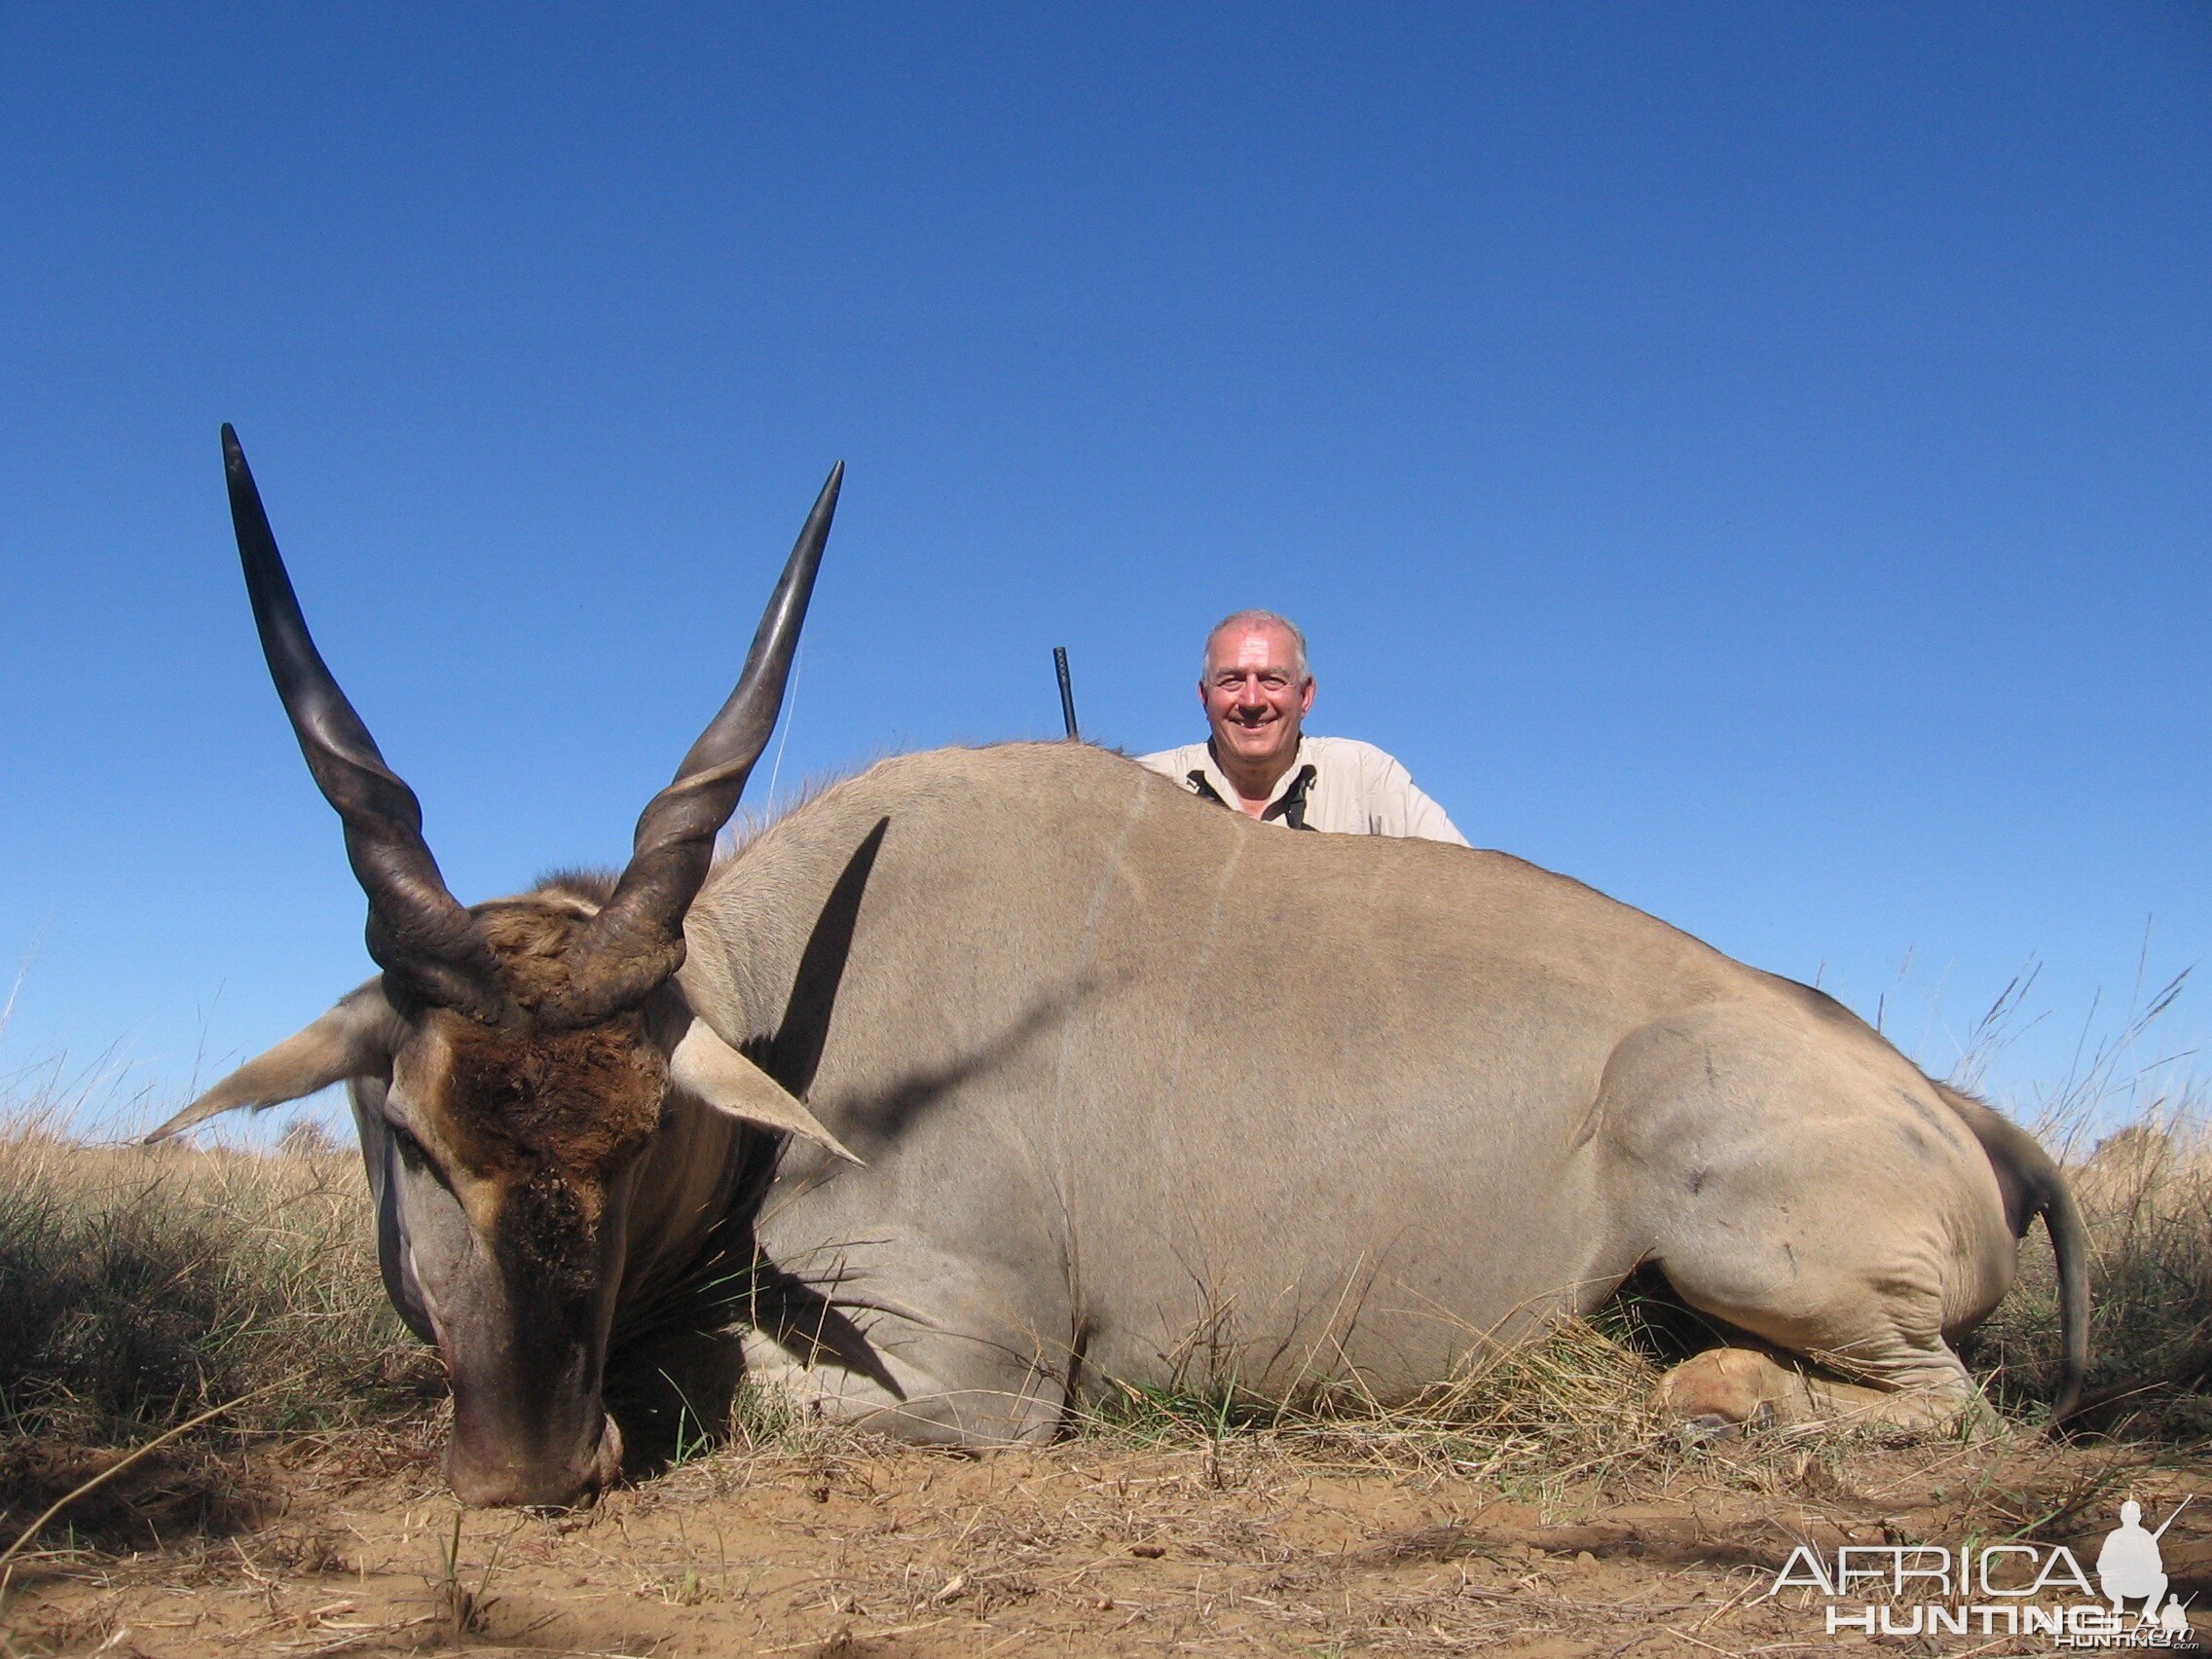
(637, 939)
(417, 929)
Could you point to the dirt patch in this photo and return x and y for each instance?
(861, 1548)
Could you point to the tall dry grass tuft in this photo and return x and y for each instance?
(2145, 1190)
(2132, 1128)
(140, 1285)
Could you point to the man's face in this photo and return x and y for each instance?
(1254, 698)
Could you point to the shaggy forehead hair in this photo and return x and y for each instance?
(522, 1097)
(1241, 619)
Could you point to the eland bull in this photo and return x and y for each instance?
(1012, 1070)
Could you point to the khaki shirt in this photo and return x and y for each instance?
(1349, 786)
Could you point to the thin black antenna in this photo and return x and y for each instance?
(1067, 692)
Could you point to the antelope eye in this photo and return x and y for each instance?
(409, 1147)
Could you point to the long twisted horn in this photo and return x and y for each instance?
(637, 939)
(417, 929)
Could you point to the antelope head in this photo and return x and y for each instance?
(513, 1060)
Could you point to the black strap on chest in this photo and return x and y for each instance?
(1289, 806)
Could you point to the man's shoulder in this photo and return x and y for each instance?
(1339, 755)
(1178, 763)
(1350, 752)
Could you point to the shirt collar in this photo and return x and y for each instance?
(1222, 787)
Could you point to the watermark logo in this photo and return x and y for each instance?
(2005, 1589)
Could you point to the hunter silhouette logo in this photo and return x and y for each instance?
(2010, 1589)
(2130, 1567)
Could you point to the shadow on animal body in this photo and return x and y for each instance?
(883, 1118)
(795, 1053)
(880, 1120)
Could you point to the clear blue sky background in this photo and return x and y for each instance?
(1754, 459)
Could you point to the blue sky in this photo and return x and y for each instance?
(1753, 459)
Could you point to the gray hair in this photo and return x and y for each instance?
(1265, 619)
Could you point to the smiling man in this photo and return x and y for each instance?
(1257, 688)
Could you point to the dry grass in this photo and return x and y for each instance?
(1570, 1407)
(2145, 1195)
(140, 1287)
(143, 1284)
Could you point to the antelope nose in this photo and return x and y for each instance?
(537, 1483)
(606, 1465)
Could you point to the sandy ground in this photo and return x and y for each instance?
(854, 1547)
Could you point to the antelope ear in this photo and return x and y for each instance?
(705, 1065)
(355, 1039)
